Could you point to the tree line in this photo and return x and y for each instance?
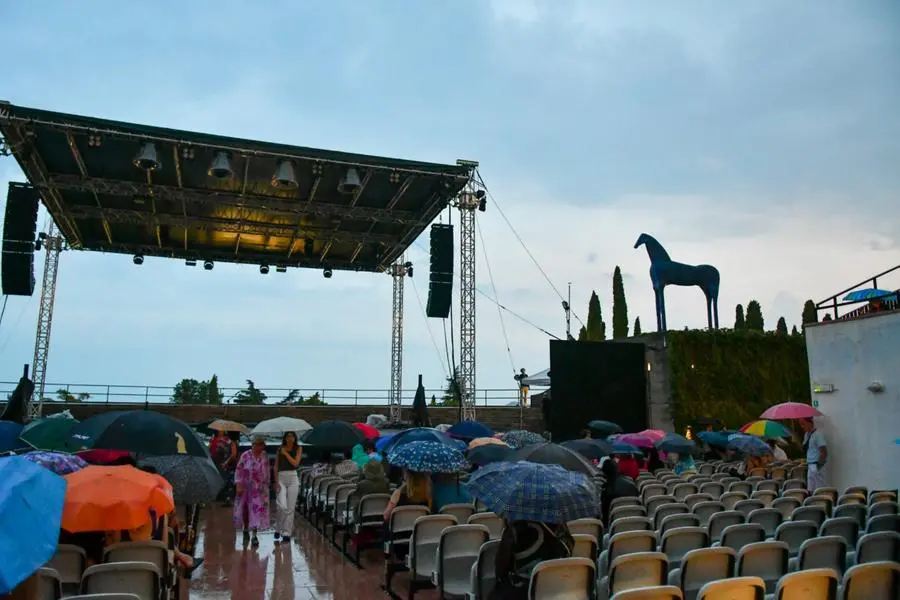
(193, 391)
(750, 319)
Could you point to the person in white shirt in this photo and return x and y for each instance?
(816, 455)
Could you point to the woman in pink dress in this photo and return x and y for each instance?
(252, 481)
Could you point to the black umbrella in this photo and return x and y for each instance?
(590, 449)
(194, 479)
(554, 454)
(489, 453)
(334, 436)
(674, 442)
(604, 428)
(420, 408)
(18, 400)
(140, 431)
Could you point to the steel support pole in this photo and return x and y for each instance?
(53, 244)
(470, 200)
(398, 271)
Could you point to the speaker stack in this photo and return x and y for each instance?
(19, 228)
(440, 285)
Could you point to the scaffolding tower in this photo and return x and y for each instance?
(468, 201)
(53, 244)
(398, 271)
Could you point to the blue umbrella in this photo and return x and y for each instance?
(421, 434)
(674, 442)
(383, 441)
(526, 491)
(31, 505)
(519, 438)
(469, 430)
(870, 294)
(620, 448)
(716, 439)
(428, 457)
(749, 444)
(9, 436)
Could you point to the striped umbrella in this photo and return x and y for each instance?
(766, 429)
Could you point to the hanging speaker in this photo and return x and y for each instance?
(440, 285)
(19, 228)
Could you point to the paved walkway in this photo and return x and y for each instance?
(309, 568)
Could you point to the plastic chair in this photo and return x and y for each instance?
(678, 542)
(693, 500)
(69, 561)
(813, 514)
(652, 489)
(729, 499)
(678, 520)
(883, 523)
(653, 504)
(482, 578)
(624, 501)
(745, 507)
(641, 569)
(368, 515)
(769, 518)
(628, 542)
(822, 553)
(49, 584)
(492, 521)
(852, 499)
(423, 545)
(586, 546)
(705, 510)
(713, 488)
(821, 584)
(457, 552)
(798, 495)
(767, 560)
(828, 492)
(857, 512)
(139, 578)
(858, 489)
(626, 512)
(152, 551)
(886, 507)
(793, 484)
(683, 490)
(795, 533)
(786, 506)
(738, 536)
(627, 524)
(562, 579)
(736, 588)
(768, 485)
(720, 521)
(462, 511)
(657, 592)
(823, 502)
(872, 581)
(667, 510)
(592, 527)
(743, 487)
(843, 527)
(877, 547)
(699, 567)
(882, 496)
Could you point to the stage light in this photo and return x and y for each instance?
(138, 259)
(208, 265)
(409, 269)
(146, 158)
(190, 262)
(327, 273)
(221, 166)
(281, 269)
(349, 182)
(263, 269)
(482, 205)
(284, 175)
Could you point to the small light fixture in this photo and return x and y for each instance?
(263, 269)
(281, 269)
(190, 262)
(221, 166)
(284, 177)
(649, 366)
(876, 387)
(138, 259)
(349, 183)
(146, 158)
(208, 265)
(327, 273)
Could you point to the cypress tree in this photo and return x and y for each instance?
(781, 327)
(794, 330)
(810, 314)
(637, 326)
(754, 319)
(596, 328)
(739, 322)
(620, 306)
(582, 334)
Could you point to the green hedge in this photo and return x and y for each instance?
(734, 375)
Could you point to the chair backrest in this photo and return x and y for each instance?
(745, 507)
(852, 499)
(738, 536)
(794, 533)
(592, 527)
(49, 584)
(403, 520)
(626, 512)
(342, 493)
(793, 484)
(857, 512)
(657, 592)
(630, 524)
(630, 542)
(768, 485)
(879, 546)
(799, 495)
(678, 542)
(844, 527)
(586, 546)
(823, 552)
(778, 473)
(492, 521)
(786, 506)
(483, 578)
(624, 501)
(885, 507)
(829, 492)
(655, 502)
(823, 502)
(667, 510)
(821, 584)
(462, 511)
(699, 567)
(722, 520)
(139, 578)
(872, 581)
(730, 498)
(883, 523)
(705, 510)
(69, 561)
(736, 588)
(683, 490)
(372, 506)
(457, 552)
(424, 541)
(814, 514)
(744, 487)
(641, 569)
(767, 497)
(766, 560)
(769, 518)
(678, 520)
(857, 489)
(713, 488)
(693, 500)
(882, 496)
(149, 551)
(562, 579)
(653, 489)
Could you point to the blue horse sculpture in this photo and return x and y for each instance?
(664, 271)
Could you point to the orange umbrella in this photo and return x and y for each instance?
(484, 441)
(113, 498)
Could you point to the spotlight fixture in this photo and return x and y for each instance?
(281, 269)
(409, 269)
(208, 265)
(284, 176)
(263, 269)
(349, 182)
(146, 158)
(221, 166)
(138, 259)
(190, 262)
(482, 201)
(327, 273)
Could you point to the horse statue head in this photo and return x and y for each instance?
(654, 249)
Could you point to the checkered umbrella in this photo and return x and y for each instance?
(526, 491)
(519, 438)
(428, 457)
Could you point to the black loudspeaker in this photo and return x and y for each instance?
(596, 380)
(440, 285)
(19, 228)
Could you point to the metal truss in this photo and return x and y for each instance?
(399, 270)
(468, 202)
(53, 244)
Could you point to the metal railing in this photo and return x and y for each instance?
(832, 303)
(156, 394)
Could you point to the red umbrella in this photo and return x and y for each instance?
(790, 410)
(369, 432)
(102, 457)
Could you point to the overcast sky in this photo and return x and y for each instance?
(762, 137)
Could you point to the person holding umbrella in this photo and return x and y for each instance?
(816, 454)
(252, 481)
(287, 483)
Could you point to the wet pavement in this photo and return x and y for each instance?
(307, 568)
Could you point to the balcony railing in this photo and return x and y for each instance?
(888, 302)
(151, 394)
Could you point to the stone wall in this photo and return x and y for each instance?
(659, 388)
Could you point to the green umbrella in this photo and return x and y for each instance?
(49, 433)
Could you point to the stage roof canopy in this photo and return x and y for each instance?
(269, 204)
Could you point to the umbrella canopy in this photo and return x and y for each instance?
(870, 294)
(194, 480)
(527, 491)
(554, 454)
(49, 433)
(230, 426)
(428, 457)
(138, 431)
(109, 498)
(333, 435)
(369, 432)
(31, 505)
(489, 453)
(519, 438)
(421, 434)
(790, 410)
(716, 439)
(278, 426)
(102, 457)
(383, 441)
(749, 444)
(674, 442)
(639, 440)
(604, 428)
(655, 434)
(469, 430)
(9, 436)
(485, 441)
(58, 462)
(766, 429)
(623, 449)
(590, 449)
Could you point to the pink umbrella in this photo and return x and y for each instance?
(641, 440)
(790, 410)
(655, 434)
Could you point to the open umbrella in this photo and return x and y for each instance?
(870, 294)
(590, 449)
(428, 457)
(277, 427)
(674, 442)
(604, 428)
(421, 434)
(487, 440)
(139, 431)
(766, 429)
(749, 444)
(790, 410)
(194, 479)
(383, 441)
(228, 426)
(9, 436)
(58, 462)
(623, 449)
(369, 432)
(489, 453)
(333, 435)
(49, 433)
(519, 438)
(527, 491)
(554, 454)
(716, 439)
(31, 504)
(639, 440)
(470, 430)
